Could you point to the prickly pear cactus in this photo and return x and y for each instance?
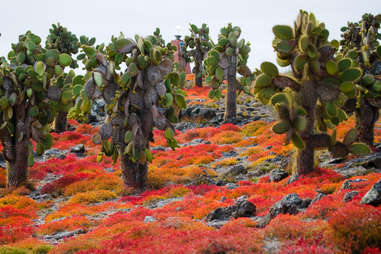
(224, 60)
(25, 106)
(196, 47)
(83, 105)
(157, 37)
(64, 41)
(309, 100)
(65, 84)
(361, 47)
(138, 98)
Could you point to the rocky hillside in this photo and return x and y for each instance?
(227, 189)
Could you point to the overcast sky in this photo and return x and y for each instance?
(102, 19)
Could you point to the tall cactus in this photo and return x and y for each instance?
(143, 96)
(67, 44)
(360, 45)
(308, 101)
(25, 107)
(224, 60)
(196, 47)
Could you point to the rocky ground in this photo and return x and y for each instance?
(227, 189)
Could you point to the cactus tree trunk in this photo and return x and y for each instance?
(17, 168)
(60, 123)
(366, 118)
(16, 147)
(231, 97)
(198, 75)
(198, 57)
(134, 174)
(305, 157)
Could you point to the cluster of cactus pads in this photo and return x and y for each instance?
(199, 44)
(309, 101)
(27, 83)
(224, 60)
(145, 95)
(360, 45)
(63, 41)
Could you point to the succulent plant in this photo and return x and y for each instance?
(361, 48)
(224, 60)
(25, 105)
(64, 41)
(196, 47)
(157, 37)
(82, 104)
(309, 100)
(66, 44)
(145, 95)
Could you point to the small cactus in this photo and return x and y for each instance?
(360, 47)
(196, 47)
(224, 60)
(145, 95)
(309, 100)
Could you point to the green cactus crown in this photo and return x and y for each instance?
(361, 44)
(198, 33)
(135, 78)
(219, 59)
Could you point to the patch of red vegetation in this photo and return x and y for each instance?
(198, 94)
(117, 226)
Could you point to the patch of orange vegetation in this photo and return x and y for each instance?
(67, 224)
(179, 225)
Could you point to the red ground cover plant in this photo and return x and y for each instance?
(356, 227)
(181, 235)
(184, 164)
(57, 186)
(68, 224)
(90, 195)
(10, 233)
(292, 227)
(196, 94)
(303, 246)
(371, 250)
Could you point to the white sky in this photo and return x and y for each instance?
(102, 19)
